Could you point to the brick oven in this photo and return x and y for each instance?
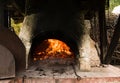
(47, 28)
(54, 33)
(54, 44)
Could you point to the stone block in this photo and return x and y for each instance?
(7, 63)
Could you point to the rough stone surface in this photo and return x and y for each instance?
(88, 53)
(94, 57)
(7, 63)
(13, 43)
(26, 33)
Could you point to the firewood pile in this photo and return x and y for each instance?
(110, 23)
(116, 55)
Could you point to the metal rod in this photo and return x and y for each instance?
(78, 77)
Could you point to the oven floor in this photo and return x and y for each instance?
(108, 74)
(56, 70)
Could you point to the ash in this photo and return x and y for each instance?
(64, 69)
(52, 68)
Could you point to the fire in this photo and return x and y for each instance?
(52, 48)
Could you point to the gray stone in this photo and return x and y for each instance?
(7, 63)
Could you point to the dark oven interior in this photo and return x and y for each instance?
(54, 47)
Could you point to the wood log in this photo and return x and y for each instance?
(113, 43)
(103, 31)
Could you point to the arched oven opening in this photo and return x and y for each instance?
(53, 47)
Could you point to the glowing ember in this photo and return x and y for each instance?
(52, 48)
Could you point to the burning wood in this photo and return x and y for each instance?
(52, 48)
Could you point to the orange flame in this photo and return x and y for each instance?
(52, 48)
